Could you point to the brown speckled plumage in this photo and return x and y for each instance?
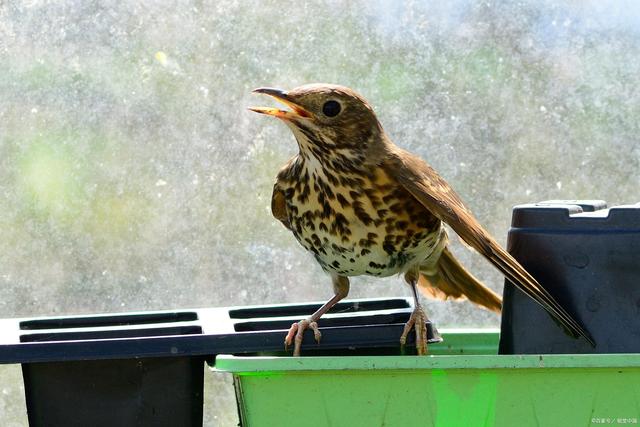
(362, 205)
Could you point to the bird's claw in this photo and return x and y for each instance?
(418, 319)
(296, 333)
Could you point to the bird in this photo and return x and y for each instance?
(364, 206)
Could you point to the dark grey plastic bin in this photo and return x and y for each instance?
(588, 258)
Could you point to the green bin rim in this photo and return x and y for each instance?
(461, 349)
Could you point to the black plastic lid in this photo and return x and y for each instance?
(592, 215)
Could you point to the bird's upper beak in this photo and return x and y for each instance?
(281, 96)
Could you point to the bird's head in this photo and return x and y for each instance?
(328, 121)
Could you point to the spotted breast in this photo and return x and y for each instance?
(356, 224)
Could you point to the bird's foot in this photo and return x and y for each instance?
(296, 333)
(418, 319)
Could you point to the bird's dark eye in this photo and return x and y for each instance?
(331, 108)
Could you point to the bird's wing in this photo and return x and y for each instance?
(278, 198)
(435, 194)
(279, 205)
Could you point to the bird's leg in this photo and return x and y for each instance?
(295, 334)
(418, 317)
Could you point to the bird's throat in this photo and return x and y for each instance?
(322, 155)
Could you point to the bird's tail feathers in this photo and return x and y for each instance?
(448, 279)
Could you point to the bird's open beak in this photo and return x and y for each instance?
(282, 97)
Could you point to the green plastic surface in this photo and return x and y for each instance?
(463, 382)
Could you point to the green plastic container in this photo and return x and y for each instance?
(463, 382)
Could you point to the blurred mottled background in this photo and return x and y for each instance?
(132, 176)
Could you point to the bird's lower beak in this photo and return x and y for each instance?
(282, 97)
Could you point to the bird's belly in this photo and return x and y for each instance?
(353, 259)
(379, 230)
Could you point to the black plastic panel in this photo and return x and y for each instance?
(162, 392)
(108, 320)
(111, 334)
(305, 310)
(351, 325)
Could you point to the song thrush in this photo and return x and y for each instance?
(362, 205)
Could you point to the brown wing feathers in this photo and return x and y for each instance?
(279, 206)
(439, 198)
